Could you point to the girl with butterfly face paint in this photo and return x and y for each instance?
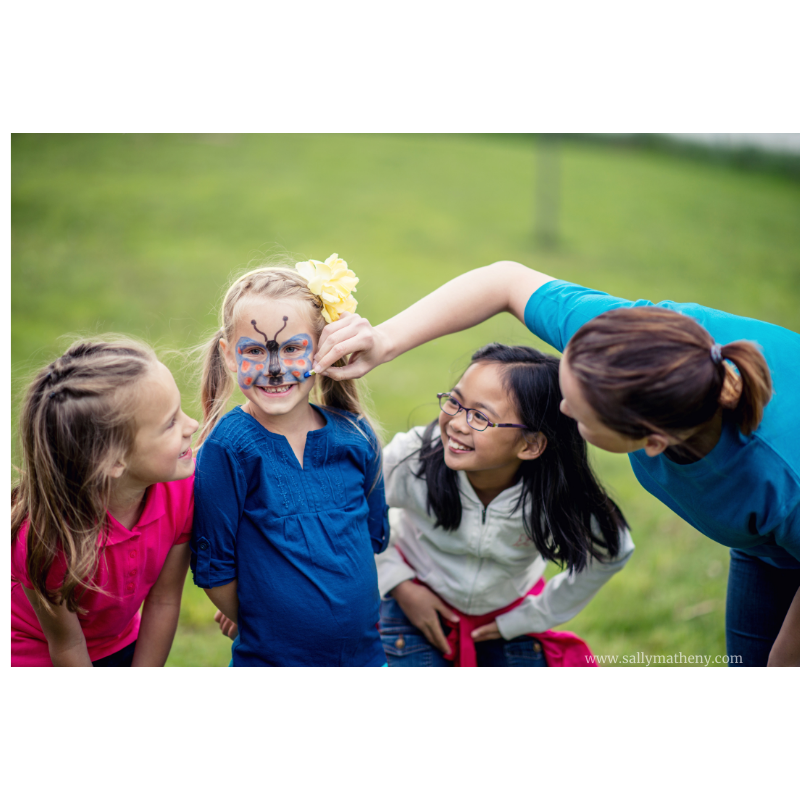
(270, 353)
(276, 362)
(289, 500)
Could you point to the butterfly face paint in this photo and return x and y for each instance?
(270, 363)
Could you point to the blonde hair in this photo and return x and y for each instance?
(277, 282)
(77, 422)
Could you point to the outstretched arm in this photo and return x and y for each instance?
(461, 303)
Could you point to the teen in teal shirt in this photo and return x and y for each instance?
(745, 493)
(741, 489)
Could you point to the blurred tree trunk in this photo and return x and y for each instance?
(547, 180)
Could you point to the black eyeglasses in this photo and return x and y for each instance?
(475, 419)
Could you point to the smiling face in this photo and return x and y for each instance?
(162, 448)
(271, 350)
(495, 450)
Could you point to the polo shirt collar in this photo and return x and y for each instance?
(154, 508)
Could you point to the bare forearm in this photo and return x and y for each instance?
(62, 630)
(69, 654)
(461, 303)
(161, 610)
(156, 632)
(226, 600)
(465, 301)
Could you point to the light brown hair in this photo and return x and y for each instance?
(77, 422)
(217, 383)
(650, 370)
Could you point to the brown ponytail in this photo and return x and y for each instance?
(650, 370)
(756, 385)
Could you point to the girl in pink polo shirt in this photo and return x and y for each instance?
(101, 515)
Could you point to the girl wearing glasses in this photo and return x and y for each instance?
(482, 498)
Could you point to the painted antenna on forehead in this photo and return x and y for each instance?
(272, 343)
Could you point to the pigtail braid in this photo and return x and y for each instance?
(216, 386)
(339, 394)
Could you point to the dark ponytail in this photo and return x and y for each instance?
(560, 495)
(652, 370)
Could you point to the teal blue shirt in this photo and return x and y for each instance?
(746, 492)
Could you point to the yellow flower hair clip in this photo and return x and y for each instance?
(333, 283)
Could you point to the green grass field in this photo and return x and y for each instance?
(141, 234)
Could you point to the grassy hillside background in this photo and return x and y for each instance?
(141, 234)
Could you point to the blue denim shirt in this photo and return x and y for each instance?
(300, 541)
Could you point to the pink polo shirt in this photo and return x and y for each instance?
(129, 565)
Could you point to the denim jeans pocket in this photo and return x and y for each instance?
(410, 650)
(405, 645)
(524, 651)
(402, 644)
(392, 616)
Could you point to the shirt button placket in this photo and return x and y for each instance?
(130, 586)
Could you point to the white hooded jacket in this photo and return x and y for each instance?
(487, 563)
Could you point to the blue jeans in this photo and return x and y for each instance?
(406, 646)
(759, 595)
(122, 658)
